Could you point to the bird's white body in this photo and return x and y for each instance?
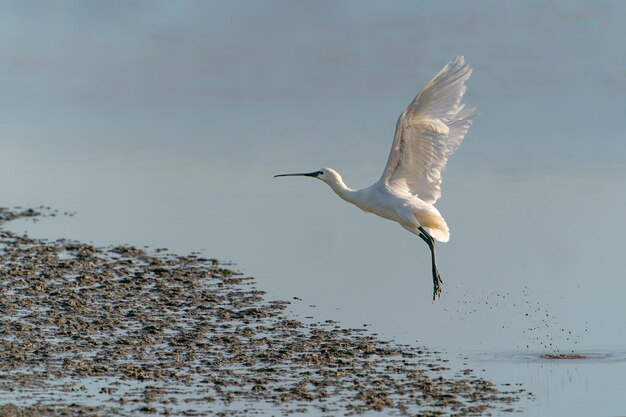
(392, 204)
(428, 131)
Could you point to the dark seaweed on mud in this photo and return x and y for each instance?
(192, 337)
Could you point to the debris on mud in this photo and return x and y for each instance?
(87, 330)
(562, 356)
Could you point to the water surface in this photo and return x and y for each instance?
(163, 124)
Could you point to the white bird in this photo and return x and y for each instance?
(428, 131)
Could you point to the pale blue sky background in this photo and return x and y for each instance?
(163, 122)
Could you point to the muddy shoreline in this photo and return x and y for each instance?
(88, 330)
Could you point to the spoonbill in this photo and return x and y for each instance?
(428, 131)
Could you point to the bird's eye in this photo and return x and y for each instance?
(321, 172)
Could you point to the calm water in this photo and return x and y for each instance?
(162, 124)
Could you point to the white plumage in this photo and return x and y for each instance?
(428, 131)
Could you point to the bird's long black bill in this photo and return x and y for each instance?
(299, 174)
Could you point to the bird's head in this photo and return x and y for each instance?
(328, 175)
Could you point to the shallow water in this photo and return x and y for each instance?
(163, 126)
(591, 386)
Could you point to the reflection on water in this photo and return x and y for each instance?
(163, 126)
(590, 386)
(543, 357)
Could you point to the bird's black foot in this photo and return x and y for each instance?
(437, 285)
(437, 281)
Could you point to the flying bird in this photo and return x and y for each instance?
(428, 131)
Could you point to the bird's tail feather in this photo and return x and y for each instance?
(435, 225)
(442, 235)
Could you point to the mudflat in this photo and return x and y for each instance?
(121, 330)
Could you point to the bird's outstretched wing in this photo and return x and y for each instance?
(428, 131)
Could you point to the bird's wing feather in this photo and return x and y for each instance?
(428, 131)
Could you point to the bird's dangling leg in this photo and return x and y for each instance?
(437, 281)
